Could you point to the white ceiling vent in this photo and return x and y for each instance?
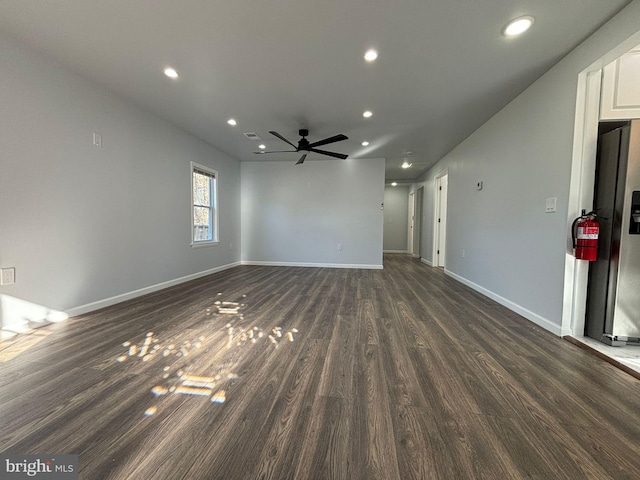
(252, 136)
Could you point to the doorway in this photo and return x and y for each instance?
(581, 191)
(417, 223)
(612, 295)
(412, 208)
(440, 220)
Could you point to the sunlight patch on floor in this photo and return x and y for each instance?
(175, 376)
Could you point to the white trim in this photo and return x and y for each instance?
(583, 168)
(395, 251)
(528, 314)
(204, 244)
(107, 302)
(418, 214)
(426, 262)
(318, 265)
(411, 211)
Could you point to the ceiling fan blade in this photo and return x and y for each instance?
(283, 139)
(335, 138)
(331, 154)
(301, 159)
(277, 151)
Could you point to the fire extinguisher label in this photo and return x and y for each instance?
(587, 233)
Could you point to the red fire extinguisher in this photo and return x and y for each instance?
(584, 232)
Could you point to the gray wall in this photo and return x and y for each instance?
(514, 250)
(79, 223)
(298, 214)
(396, 218)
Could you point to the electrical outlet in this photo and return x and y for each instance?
(339, 246)
(479, 185)
(464, 254)
(231, 246)
(97, 139)
(7, 276)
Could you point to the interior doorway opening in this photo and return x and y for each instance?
(440, 220)
(410, 223)
(581, 191)
(417, 223)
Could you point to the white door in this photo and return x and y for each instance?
(417, 224)
(440, 229)
(410, 223)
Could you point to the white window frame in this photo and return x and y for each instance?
(213, 198)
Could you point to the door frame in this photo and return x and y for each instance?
(437, 226)
(410, 223)
(417, 223)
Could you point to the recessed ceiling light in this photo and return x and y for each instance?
(262, 147)
(406, 164)
(393, 184)
(365, 143)
(517, 26)
(370, 55)
(367, 114)
(171, 72)
(232, 122)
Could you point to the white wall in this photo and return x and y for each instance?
(82, 224)
(396, 218)
(515, 251)
(298, 214)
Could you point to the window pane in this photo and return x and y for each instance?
(200, 189)
(201, 223)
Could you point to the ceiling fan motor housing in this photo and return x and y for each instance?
(303, 143)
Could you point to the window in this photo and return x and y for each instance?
(204, 208)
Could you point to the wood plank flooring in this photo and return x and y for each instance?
(401, 373)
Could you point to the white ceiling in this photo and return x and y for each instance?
(444, 67)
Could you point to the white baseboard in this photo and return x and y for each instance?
(395, 251)
(528, 314)
(427, 262)
(316, 265)
(107, 302)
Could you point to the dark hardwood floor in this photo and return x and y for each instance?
(314, 373)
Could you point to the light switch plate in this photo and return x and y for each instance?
(551, 205)
(479, 185)
(7, 276)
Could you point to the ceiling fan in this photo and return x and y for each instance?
(305, 146)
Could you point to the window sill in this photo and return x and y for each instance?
(203, 244)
